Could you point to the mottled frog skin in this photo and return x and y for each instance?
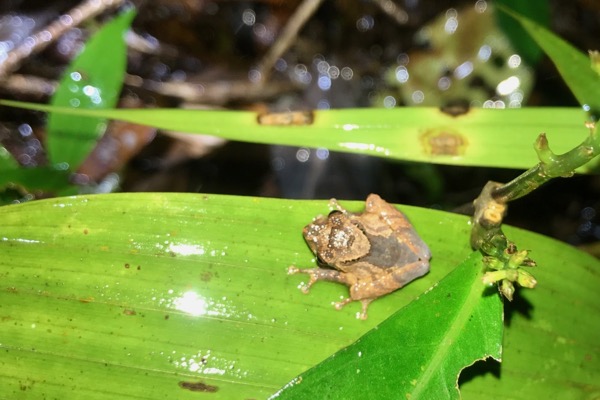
(374, 252)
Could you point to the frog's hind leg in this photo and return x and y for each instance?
(365, 306)
(321, 274)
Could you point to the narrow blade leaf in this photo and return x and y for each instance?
(93, 80)
(574, 66)
(481, 137)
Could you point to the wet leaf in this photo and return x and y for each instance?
(132, 294)
(442, 331)
(154, 295)
(481, 137)
(93, 80)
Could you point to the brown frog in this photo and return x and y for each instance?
(374, 252)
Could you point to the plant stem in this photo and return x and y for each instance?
(502, 259)
(550, 166)
(42, 39)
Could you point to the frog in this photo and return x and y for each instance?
(374, 252)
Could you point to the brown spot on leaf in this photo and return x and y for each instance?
(88, 299)
(198, 387)
(286, 118)
(443, 142)
(127, 265)
(85, 231)
(128, 311)
(206, 276)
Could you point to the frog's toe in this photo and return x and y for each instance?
(340, 304)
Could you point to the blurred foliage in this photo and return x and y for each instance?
(537, 11)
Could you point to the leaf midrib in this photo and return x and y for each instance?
(450, 336)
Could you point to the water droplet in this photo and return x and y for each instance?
(66, 20)
(248, 17)
(365, 23)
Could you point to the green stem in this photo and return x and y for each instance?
(503, 262)
(550, 166)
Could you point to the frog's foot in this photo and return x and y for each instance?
(305, 287)
(318, 274)
(365, 305)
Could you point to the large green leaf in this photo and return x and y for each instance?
(440, 333)
(481, 137)
(93, 80)
(128, 295)
(551, 348)
(152, 290)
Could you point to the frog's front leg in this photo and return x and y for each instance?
(322, 274)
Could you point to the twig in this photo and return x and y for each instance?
(29, 85)
(304, 11)
(211, 92)
(487, 219)
(393, 10)
(42, 39)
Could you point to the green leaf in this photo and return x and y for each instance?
(481, 137)
(574, 66)
(127, 295)
(6, 160)
(551, 336)
(462, 324)
(93, 80)
(143, 291)
(537, 11)
(38, 178)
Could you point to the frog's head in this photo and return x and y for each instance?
(336, 239)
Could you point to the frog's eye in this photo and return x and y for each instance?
(326, 257)
(337, 219)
